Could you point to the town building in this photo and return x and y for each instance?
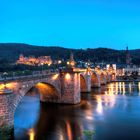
(128, 71)
(33, 61)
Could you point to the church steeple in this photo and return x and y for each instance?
(71, 57)
(128, 59)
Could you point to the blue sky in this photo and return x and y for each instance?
(71, 23)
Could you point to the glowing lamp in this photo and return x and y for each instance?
(67, 76)
(59, 61)
(55, 76)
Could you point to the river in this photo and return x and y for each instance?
(112, 112)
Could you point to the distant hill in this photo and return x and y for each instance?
(9, 52)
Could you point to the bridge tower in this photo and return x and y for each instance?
(71, 62)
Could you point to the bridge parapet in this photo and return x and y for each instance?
(23, 77)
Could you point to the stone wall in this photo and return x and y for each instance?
(95, 80)
(7, 109)
(70, 88)
(88, 81)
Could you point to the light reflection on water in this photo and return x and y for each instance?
(113, 112)
(31, 134)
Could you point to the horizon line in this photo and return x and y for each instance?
(34, 45)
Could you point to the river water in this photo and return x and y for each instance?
(112, 112)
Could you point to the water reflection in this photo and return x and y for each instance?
(31, 134)
(99, 105)
(122, 88)
(107, 111)
(139, 87)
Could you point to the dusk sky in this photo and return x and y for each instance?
(71, 23)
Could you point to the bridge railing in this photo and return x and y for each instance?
(25, 74)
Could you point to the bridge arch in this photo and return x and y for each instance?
(95, 81)
(83, 83)
(108, 77)
(113, 77)
(103, 78)
(48, 90)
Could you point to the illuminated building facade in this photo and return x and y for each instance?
(31, 60)
(128, 71)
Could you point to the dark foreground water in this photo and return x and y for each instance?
(113, 112)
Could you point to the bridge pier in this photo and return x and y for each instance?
(70, 86)
(88, 81)
(7, 110)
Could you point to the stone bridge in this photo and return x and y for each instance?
(64, 86)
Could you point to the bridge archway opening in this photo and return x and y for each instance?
(112, 76)
(94, 80)
(28, 107)
(47, 91)
(103, 78)
(83, 84)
